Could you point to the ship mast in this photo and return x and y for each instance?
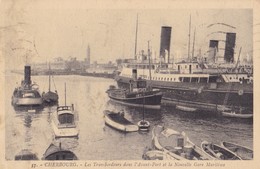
(150, 75)
(49, 77)
(65, 94)
(189, 39)
(136, 31)
(193, 45)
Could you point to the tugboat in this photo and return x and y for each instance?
(50, 97)
(63, 121)
(139, 94)
(27, 94)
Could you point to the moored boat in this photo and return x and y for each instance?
(63, 122)
(54, 152)
(119, 122)
(138, 95)
(50, 97)
(143, 125)
(26, 154)
(244, 152)
(218, 152)
(187, 109)
(200, 83)
(177, 144)
(230, 113)
(157, 155)
(27, 94)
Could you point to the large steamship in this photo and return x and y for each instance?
(197, 84)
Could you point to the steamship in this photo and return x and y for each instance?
(27, 94)
(197, 84)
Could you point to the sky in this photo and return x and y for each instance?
(43, 31)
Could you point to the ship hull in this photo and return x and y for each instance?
(26, 101)
(149, 101)
(209, 96)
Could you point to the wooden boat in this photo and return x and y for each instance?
(26, 154)
(244, 152)
(50, 97)
(157, 155)
(229, 113)
(27, 94)
(63, 121)
(137, 95)
(143, 124)
(119, 122)
(58, 153)
(218, 152)
(177, 144)
(187, 109)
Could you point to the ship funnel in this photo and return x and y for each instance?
(27, 75)
(229, 48)
(134, 74)
(165, 43)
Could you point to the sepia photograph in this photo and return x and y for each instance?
(87, 80)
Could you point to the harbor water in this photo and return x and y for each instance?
(32, 129)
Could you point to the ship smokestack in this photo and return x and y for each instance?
(213, 49)
(229, 48)
(165, 43)
(27, 75)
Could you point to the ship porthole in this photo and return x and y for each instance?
(240, 92)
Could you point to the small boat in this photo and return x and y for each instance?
(137, 95)
(177, 144)
(119, 122)
(26, 154)
(218, 152)
(157, 155)
(187, 109)
(58, 153)
(50, 97)
(63, 121)
(143, 124)
(230, 113)
(27, 94)
(242, 151)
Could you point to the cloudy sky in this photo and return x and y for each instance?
(43, 30)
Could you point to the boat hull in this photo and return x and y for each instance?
(157, 155)
(113, 120)
(58, 153)
(50, 97)
(218, 152)
(152, 101)
(200, 96)
(187, 109)
(236, 115)
(197, 152)
(26, 101)
(64, 131)
(243, 152)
